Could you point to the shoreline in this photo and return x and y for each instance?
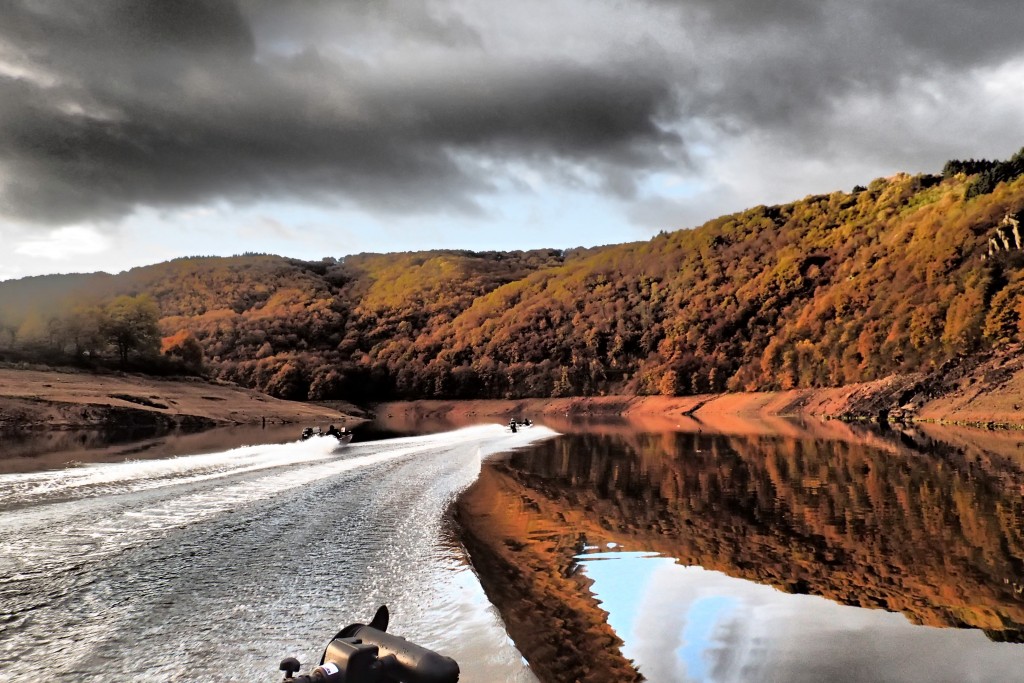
(33, 399)
(874, 402)
(986, 392)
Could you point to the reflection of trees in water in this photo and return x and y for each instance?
(936, 536)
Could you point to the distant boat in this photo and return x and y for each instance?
(343, 435)
(515, 426)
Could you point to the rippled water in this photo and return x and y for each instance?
(216, 566)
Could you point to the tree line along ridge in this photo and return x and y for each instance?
(897, 276)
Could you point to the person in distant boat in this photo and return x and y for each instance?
(512, 425)
(332, 431)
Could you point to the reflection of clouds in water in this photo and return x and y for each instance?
(662, 631)
(691, 624)
(680, 637)
(702, 620)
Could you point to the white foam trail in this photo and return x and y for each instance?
(192, 508)
(137, 475)
(74, 541)
(294, 465)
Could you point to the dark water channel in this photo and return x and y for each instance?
(814, 553)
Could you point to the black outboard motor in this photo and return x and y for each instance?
(307, 433)
(367, 654)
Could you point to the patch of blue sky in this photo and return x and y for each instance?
(510, 219)
(672, 186)
(531, 214)
(553, 217)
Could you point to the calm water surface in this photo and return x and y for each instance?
(763, 556)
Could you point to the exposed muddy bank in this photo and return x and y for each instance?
(66, 399)
(986, 391)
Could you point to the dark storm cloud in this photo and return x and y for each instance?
(788, 74)
(399, 105)
(764, 60)
(316, 21)
(949, 31)
(156, 103)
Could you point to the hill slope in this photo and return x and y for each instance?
(905, 275)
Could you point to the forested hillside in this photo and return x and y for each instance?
(899, 276)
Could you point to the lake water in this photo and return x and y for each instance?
(760, 556)
(609, 550)
(215, 566)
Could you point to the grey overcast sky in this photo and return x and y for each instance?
(133, 131)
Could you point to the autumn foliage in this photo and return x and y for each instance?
(828, 290)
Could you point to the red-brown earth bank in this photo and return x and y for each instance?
(68, 399)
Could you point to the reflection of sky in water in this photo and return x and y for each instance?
(690, 624)
(624, 596)
(700, 625)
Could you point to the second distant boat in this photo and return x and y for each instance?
(343, 435)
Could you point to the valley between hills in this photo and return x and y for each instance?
(900, 300)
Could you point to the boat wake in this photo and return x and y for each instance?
(209, 552)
